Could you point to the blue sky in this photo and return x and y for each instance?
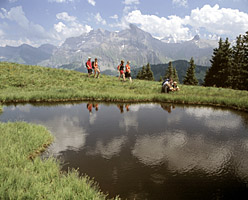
(36, 22)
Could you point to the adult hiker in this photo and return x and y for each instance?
(128, 71)
(120, 68)
(89, 66)
(96, 69)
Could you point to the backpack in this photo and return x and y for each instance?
(86, 65)
(93, 64)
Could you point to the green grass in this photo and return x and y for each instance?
(23, 83)
(23, 175)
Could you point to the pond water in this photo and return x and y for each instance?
(148, 151)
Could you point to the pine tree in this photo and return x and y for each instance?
(238, 62)
(149, 74)
(145, 73)
(220, 72)
(190, 78)
(175, 75)
(169, 71)
(213, 70)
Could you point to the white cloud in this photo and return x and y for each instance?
(13, 1)
(206, 20)
(183, 3)
(64, 16)
(22, 26)
(130, 2)
(159, 26)
(68, 26)
(99, 19)
(114, 17)
(224, 21)
(92, 2)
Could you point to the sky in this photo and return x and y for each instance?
(37, 22)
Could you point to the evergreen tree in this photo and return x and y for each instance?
(175, 75)
(238, 62)
(145, 73)
(149, 74)
(169, 71)
(190, 78)
(244, 67)
(213, 70)
(220, 72)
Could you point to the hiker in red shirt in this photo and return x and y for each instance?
(128, 71)
(89, 67)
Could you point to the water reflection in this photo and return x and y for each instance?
(148, 151)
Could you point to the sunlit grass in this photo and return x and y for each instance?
(23, 175)
(22, 83)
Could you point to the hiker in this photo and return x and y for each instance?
(175, 86)
(120, 68)
(167, 86)
(128, 71)
(96, 69)
(89, 66)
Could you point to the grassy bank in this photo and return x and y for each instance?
(23, 175)
(22, 83)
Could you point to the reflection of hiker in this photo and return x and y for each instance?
(120, 68)
(96, 69)
(127, 107)
(120, 106)
(167, 107)
(89, 107)
(95, 106)
(167, 86)
(128, 71)
(89, 66)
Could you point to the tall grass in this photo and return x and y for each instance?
(23, 175)
(23, 83)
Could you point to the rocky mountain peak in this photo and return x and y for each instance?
(196, 38)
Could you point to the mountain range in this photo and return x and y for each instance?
(131, 44)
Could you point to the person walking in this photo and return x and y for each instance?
(96, 69)
(128, 71)
(121, 70)
(89, 66)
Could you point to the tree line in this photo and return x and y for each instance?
(229, 67)
(171, 73)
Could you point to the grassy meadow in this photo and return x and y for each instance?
(23, 83)
(24, 175)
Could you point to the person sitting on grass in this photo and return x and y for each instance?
(175, 86)
(167, 86)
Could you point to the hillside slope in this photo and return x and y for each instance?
(24, 83)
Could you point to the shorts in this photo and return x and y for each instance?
(121, 71)
(89, 71)
(127, 74)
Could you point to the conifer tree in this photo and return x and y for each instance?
(175, 75)
(145, 73)
(190, 78)
(149, 73)
(220, 72)
(213, 70)
(169, 71)
(238, 62)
